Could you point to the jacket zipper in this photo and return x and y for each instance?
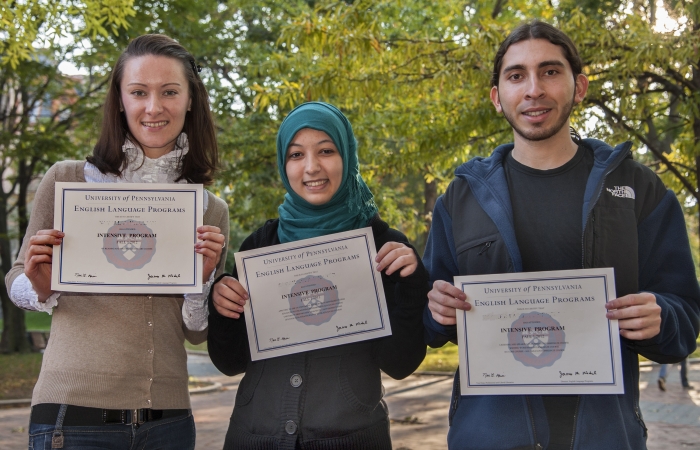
(538, 446)
(486, 246)
(639, 418)
(573, 434)
(636, 401)
(621, 157)
(594, 233)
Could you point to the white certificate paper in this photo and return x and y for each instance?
(539, 333)
(313, 293)
(127, 238)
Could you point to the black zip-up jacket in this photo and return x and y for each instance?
(329, 398)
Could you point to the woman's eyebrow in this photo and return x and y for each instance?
(330, 141)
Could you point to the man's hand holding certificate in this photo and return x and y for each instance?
(539, 333)
(313, 293)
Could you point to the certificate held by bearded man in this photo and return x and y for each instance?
(127, 238)
(539, 333)
(313, 293)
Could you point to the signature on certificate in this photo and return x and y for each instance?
(493, 375)
(170, 275)
(571, 374)
(339, 328)
(84, 275)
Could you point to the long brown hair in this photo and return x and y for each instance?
(200, 162)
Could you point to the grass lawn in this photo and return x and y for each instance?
(19, 372)
(446, 359)
(202, 346)
(35, 321)
(443, 359)
(18, 375)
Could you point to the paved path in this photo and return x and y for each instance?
(418, 409)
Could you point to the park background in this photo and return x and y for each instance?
(411, 75)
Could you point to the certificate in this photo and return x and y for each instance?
(539, 333)
(313, 293)
(127, 238)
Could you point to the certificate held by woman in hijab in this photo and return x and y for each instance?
(313, 293)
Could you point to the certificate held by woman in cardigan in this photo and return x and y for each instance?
(127, 238)
(313, 293)
(539, 333)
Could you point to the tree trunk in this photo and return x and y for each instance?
(24, 177)
(696, 131)
(14, 333)
(430, 196)
(695, 82)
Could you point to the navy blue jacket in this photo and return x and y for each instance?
(632, 223)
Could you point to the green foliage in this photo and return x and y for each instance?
(28, 25)
(413, 77)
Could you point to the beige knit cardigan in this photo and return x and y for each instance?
(113, 351)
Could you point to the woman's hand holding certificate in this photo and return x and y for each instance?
(396, 256)
(210, 245)
(37, 261)
(229, 297)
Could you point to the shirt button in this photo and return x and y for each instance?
(150, 324)
(150, 379)
(290, 427)
(295, 380)
(150, 350)
(150, 297)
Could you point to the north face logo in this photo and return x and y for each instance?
(622, 192)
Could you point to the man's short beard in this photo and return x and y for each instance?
(541, 134)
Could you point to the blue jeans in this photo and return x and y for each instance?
(174, 433)
(663, 371)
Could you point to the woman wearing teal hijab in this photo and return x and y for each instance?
(329, 398)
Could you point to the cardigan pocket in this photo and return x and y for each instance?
(360, 382)
(249, 382)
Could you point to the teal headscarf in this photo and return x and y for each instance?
(351, 207)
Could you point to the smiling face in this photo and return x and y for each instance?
(537, 90)
(314, 166)
(155, 97)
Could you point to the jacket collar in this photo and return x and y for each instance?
(487, 181)
(483, 167)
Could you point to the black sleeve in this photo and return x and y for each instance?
(227, 340)
(400, 354)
